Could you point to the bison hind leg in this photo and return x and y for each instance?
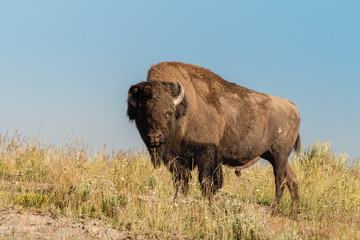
(292, 185)
(284, 176)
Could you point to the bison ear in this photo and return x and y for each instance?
(131, 109)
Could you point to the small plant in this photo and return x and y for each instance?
(33, 200)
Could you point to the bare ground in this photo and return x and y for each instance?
(16, 224)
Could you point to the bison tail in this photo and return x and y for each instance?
(297, 144)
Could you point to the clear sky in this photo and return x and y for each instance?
(66, 66)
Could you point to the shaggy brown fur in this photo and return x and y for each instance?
(217, 122)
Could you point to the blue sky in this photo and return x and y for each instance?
(66, 66)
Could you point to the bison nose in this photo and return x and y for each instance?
(155, 138)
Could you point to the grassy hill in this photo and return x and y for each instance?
(122, 190)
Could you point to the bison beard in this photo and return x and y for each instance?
(190, 117)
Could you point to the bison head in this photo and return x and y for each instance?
(157, 108)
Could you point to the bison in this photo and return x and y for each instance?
(190, 117)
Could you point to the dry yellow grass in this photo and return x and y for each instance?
(122, 189)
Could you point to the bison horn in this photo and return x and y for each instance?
(181, 95)
(131, 100)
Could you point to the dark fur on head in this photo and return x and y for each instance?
(144, 91)
(155, 111)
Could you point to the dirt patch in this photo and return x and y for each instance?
(29, 225)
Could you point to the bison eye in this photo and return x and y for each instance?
(168, 114)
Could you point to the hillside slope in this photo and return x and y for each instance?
(61, 191)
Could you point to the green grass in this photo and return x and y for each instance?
(122, 189)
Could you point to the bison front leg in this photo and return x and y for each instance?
(181, 176)
(210, 171)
